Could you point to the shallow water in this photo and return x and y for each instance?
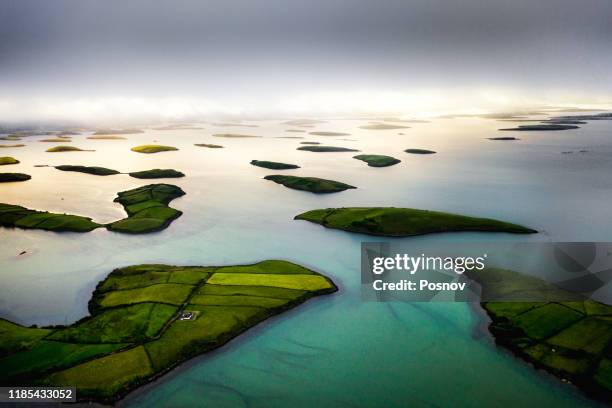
(335, 350)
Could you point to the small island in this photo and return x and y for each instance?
(11, 177)
(506, 138)
(58, 149)
(419, 151)
(322, 149)
(561, 332)
(234, 135)
(147, 319)
(15, 216)
(3, 146)
(149, 149)
(210, 146)
(8, 160)
(311, 184)
(118, 131)
(377, 160)
(551, 126)
(404, 222)
(96, 171)
(157, 173)
(56, 140)
(106, 137)
(310, 143)
(383, 126)
(274, 165)
(329, 134)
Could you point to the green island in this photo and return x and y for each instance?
(96, 171)
(322, 149)
(561, 332)
(148, 149)
(503, 138)
(552, 126)
(10, 177)
(383, 126)
(310, 184)
(106, 137)
(233, 135)
(303, 122)
(147, 319)
(209, 145)
(147, 209)
(295, 130)
(8, 160)
(157, 173)
(118, 131)
(10, 137)
(310, 143)
(404, 222)
(329, 134)
(419, 151)
(3, 146)
(56, 140)
(58, 149)
(377, 160)
(274, 165)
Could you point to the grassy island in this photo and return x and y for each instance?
(274, 165)
(507, 138)
(310, 143)
(15, 216)
(329, 134)
(147, 208)
(8, 160)
(568, 336)
(377, 160)
(404, 222)
(383, 126)
(96, 171)
(321, 149)
(233, 135)
(310, 184)
(552, 126)
(10, 177)
(419, 151)
(209, 145)
(58, 149)
(148, 149)
(3, 146)
(157, 173)
(147, 319)
(56, 140)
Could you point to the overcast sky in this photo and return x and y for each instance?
(257, 53)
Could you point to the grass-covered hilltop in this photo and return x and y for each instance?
(147, 209)
(568, 336)
(321, 149)
(157, 173)
(310, 184)
(97, 171)
(8, 160)
(403, 222)
(274, 165)
(377, 160)
(148, 149)
(147, 319)
(10, 177)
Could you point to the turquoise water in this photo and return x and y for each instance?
(336, 350)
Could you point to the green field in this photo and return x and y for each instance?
(135, 330)
(310, 184)
(20, 217)
(402, 222)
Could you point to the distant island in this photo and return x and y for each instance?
(377, 160)
(58, 149)
(118, 131)
(383, 126)
(11, 177)
(528, 128)
(310, 184)
(233, 135)
(8, 160)
(404, 222)
(147, 319)
(210, 146)
(157, 173)
(97, 171)
(321, 149)
(329, 134)
(106, 137)
(419, 151)
(274, 165)
(503, 138)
